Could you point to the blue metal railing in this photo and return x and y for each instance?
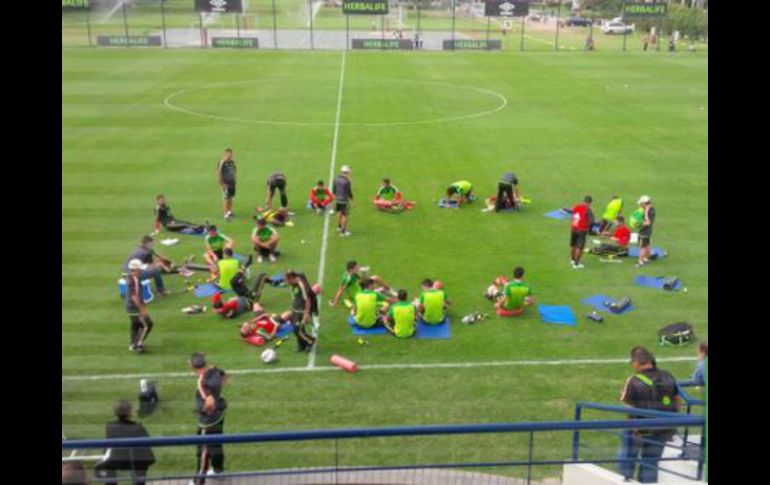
(653, 420)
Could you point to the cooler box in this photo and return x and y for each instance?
(147, 294)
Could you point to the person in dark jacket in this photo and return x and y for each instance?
(134, 460)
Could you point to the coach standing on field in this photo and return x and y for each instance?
(210, 407)
(276, 181)
(343, 192)
(141, 324)
(645, 233)
(226, 175)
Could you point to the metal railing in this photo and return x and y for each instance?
(654, 420)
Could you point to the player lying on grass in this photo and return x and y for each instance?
(433, 302)
(351, 283)
(369, 306)
(390, 199)
(164, 218)
(265, 240)
(401, 319)
(216, 242)
(233, 307)
(617, 241)
(320, 197)
(511, 298)
(263, 326)
(275, 217)
(461, 192)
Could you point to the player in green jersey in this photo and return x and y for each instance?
(402, 317)
(461, 191)
(433, 303)
(390, 199)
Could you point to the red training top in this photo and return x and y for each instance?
(623, 235)
(580, 221)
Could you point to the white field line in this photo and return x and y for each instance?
(417, 366)
(327, 217)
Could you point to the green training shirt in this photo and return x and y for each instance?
(263, 234)
(366, 302)
(216, 243)
(613, 209)
(351, 283)
(463, 187)
(387, 192)
(228, 267)
(433, 305)
(516, 292)
(403, 316)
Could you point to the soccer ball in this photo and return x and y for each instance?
(269, 356)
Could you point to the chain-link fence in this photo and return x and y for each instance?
(553, 25)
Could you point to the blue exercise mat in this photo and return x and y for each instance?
(191, 232)
(654, 282)
(445, 204)
(207, 289)
(560, 214)
(284, 330)
(559, 314)
(378, 330)
(658, 252)
(597, 302)
(436, 331)
(240, 257)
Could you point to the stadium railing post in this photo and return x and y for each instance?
(88, 28)
(310, 11)
(576, 433)
(275, 28)
(163, 22)
(521, 44)
(625, 32)
(489, 22)
(453, 23)
(237, 25)
(529, 461)
(558, 21)
(125, 23)
(200, 21)
(347, 31)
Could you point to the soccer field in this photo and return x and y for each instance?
(136, 123)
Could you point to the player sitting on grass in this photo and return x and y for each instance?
(402, 316)
(216, 242)
(263, 326)
(511, 297)
(433, 302)
(389, 198)
(617, 244)
(320, 197)
(368, 306)
(265, 240)
(164, 218)
(351, 284)
(461, 192)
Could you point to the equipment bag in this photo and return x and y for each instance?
(676, 334)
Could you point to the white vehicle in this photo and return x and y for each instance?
(617, 28)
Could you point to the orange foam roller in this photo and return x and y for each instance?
(344, 363)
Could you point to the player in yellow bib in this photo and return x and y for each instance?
(433, 303)
(461, 191)
(367, 306)
(402, 317)
(611, 212)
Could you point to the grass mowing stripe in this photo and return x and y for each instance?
(325, 237)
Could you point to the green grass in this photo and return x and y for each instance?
(602, 124)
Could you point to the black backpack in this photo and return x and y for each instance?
(664, 391)
(148, 398)
(676, 334)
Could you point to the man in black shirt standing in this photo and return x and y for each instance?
(135, 460)
(210, 407)
(304, 308)
(648, 388)
(226, 175)
(645, 233)
(343, 192)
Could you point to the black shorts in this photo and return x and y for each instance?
(578, 239)
(220, 253)
(644, 240)
(279, 184)
(228, 191)
(342, 208)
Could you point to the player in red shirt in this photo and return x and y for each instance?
(618, 242)
(263, 326)
(320, 197)
(582, 218)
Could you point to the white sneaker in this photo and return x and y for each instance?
(331, 212)
(339, 229)
(272, 258)
(579, 266)
(260, 259)
(347, 233)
